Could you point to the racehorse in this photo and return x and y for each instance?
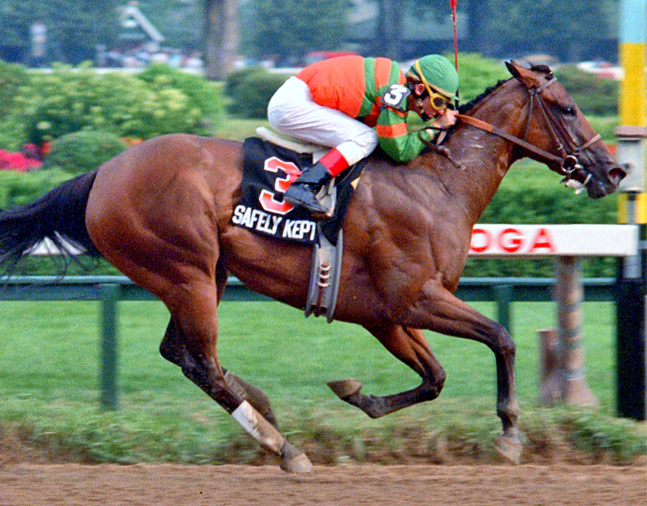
(161, 213)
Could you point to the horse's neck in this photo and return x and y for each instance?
(484, 158)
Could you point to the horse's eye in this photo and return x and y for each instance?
(568, 110)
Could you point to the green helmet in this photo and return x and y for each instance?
(437, 73)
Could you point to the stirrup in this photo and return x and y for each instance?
(327, 198)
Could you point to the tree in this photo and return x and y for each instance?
(221, 40)
(552, 26)
(285, 30)
(478, 16)
(497, 27)
(73, 28)
(180, 21)
(388, 30)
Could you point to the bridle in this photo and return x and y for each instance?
(567, 148)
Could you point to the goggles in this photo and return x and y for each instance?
(438, 101)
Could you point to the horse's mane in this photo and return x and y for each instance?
(466, 107)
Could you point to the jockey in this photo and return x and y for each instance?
(351, 104)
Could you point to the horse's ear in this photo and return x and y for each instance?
(513, 67)
(527, 76)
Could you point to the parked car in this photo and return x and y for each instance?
(602, 69)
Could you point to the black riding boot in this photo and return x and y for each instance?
(302, 192)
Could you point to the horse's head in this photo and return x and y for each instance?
(556, 125)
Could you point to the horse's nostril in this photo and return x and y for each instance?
(617, 174)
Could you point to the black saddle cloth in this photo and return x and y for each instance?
(267, 172)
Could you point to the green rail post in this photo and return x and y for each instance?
(110, 295)
(503, 296)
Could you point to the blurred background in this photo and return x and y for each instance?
(225, 34)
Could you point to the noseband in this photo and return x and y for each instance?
(567, 146)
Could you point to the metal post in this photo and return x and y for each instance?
(631, 306)
(549, 378)
(109, 299)
(632, 208)
(569, 294)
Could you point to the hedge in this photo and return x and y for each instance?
(13, 78)
(69, 100)
(17, 188)
(249, 91)
(202, 94)
(83, 151)
(591, 93)
(477, 73)
(156, 101)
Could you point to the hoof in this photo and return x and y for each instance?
(345, 388)
(293, 460)
(509, 448)
(299, 465)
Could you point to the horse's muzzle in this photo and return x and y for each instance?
(600, 185)
(616, 174)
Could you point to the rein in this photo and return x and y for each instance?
(483, 125)
(569, 162)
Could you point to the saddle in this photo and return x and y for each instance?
(271, 163)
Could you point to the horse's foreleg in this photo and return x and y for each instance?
(442, 312)
(410, 346)
(190, 342)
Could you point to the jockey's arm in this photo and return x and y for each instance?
(394, 137)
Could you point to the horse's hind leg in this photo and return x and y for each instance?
(189, 292)
(410, 346)
(190, 342)
(174, 350)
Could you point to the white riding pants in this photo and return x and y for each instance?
(292, 111)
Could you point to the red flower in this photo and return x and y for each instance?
(17, 161)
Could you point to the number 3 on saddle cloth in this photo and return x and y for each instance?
(268, 171)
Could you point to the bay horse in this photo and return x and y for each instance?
(161, 213)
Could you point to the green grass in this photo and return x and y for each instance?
(49, 363)
(605, 126)
(56, 355)
(239, 129)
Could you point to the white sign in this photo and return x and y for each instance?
(554, 240)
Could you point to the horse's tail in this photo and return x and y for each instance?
(58, 215)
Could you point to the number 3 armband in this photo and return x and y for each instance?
(396, 96)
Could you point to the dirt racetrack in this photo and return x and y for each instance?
(173, 485)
